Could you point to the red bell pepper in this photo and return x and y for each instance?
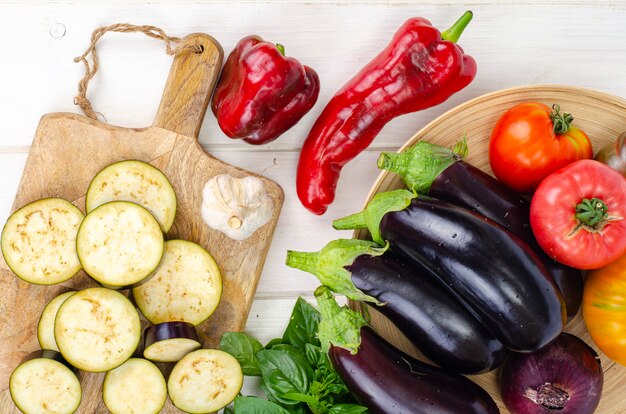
(420, 68)
(261, 93)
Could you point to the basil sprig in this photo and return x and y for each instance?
(296, 374)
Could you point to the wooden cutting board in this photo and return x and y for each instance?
(68, 150)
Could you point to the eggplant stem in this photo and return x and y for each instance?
(371, 216)
(339, 326)
(353, 221)
(421, 164)
(331, 265)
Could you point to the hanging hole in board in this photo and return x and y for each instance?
(200, 49)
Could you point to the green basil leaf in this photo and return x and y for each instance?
(243, 347)
(305, 398)
(298, 409)
(269, 393)
(297, 356)
(345, 409)
(284, 372)
(229, 410)
(316, 356)
(254, 405)
(303, 325)
(273, 342)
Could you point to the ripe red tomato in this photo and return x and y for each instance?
(530, 141)
(578, 215)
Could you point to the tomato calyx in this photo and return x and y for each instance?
(560, 121)
(592, 215)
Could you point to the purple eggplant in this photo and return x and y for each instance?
(430, 317)
(490, 270)
(442, 174)
(386, 380)
(170, 341)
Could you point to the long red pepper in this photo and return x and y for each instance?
(420, 68)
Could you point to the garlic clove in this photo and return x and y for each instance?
(236, 206)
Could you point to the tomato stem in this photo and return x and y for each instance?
(561, 122)
(592, 213)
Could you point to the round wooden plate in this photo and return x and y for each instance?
(601, 116)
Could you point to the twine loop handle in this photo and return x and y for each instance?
(172, 47)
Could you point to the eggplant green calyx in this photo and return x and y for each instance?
(329, 265)
(592, 213)
(339, 325)
(456, 30)
(371, 216)
(420, 165)
(561, 122)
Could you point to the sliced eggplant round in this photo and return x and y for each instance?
(138, 182)
(120, 244)
(170, 341)
(45, 328)
(39, 241)
(204, 381)
(97, 329)
(135, 387)
(45, 384)
(186, 286)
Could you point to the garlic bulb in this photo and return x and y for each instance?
(235, 206)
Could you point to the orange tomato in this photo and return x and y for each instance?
(531, 141)
(604, 308)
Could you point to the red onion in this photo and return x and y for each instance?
(564, 377)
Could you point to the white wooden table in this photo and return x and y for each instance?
(572, 42)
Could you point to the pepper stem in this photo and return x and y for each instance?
(456, 30)
(339, 326)
(561, 122)
(592, 213)
(421, 164)
(280, 48)
(329, 265)
(381, 204)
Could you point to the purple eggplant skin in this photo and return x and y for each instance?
(170, 330)
(428, 315)
(493, 272)
(467, 186)
(388, 381)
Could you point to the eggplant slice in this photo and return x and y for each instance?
(97, 329)
(45, 328)
(135, 387)
(137, 182)
(186, 286)
(45, 384)
(39, 241)
(120, 244)
(204, 381)
(170, 341)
